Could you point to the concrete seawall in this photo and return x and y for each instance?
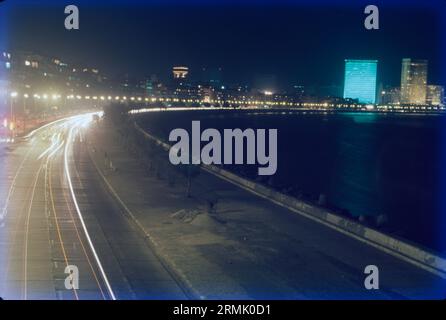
(399, 248)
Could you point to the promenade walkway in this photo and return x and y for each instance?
(245, 247)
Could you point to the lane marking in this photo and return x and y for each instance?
(50, 185)
(25, 266)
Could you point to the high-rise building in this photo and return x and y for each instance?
(390, 96)
(360, 80)
(434, 95)
(413, 81)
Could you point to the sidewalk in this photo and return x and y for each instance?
(247, 247)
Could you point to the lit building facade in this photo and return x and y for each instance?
(360, 80)
(434, 95)
(413, 81)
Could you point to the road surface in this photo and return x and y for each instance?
(54, 214)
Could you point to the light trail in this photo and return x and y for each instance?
(55, 141)
(55, 150)
(70, 210)
(32, 133)
(66, 120)
(12, 187)
(83, 120)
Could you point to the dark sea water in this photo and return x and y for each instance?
(366, 164)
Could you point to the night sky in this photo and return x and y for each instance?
(297, 42)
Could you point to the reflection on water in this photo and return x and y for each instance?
(380, 169)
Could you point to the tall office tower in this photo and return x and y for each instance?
(360, 80)
(413, 81)
(434, 95)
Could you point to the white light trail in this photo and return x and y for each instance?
(73, 195)
(29, 135)
(55, 142)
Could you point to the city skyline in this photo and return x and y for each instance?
(210, 86)
(154, 40)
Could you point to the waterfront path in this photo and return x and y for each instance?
(247, 247)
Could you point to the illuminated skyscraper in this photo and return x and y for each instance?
(413, 81)
(360, 80)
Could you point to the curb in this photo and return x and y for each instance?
(398, 248)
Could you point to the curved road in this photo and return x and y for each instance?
(54, 214)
